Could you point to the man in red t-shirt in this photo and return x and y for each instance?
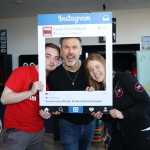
(23, 126)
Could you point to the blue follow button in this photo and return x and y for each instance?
(75, 109)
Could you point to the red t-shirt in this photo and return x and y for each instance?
(24, 115)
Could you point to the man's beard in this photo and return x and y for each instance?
(71, 63)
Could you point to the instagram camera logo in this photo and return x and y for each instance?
(47, 31)
(75, 109)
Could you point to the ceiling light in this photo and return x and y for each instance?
(17, 2)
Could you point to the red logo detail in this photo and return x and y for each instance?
(118, 92)
(47, 31)
(46, 93)
(138, 87)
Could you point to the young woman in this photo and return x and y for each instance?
(130, 125)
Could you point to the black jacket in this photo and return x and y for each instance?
(132, 100)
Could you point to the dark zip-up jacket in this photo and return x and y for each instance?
(132, 100)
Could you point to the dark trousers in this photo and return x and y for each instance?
(138, 141)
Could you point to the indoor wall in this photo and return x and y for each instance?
(22, 32)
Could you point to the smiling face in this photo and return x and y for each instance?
(71, 51)
(97, 71)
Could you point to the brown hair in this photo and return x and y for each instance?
(52, 46)
(61, 39)
(97, 57)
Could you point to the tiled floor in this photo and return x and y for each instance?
(50, 144)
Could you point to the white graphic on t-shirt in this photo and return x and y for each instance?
(32, 98)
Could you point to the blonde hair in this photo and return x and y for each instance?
(100, 58)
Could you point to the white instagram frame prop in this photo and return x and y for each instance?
(76, 25)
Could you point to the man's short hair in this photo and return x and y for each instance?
(61, 39)
(52, 46)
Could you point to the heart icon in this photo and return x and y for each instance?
(91, 109)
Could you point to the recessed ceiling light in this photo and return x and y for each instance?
(17, 1)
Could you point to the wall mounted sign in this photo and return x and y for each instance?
(145, 38)
(146, 46)
(3, 41)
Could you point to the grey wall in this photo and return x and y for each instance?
(22, 32)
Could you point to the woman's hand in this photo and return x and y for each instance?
(97, 115)
(44, 114)
(89, 89)
(116, 114)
